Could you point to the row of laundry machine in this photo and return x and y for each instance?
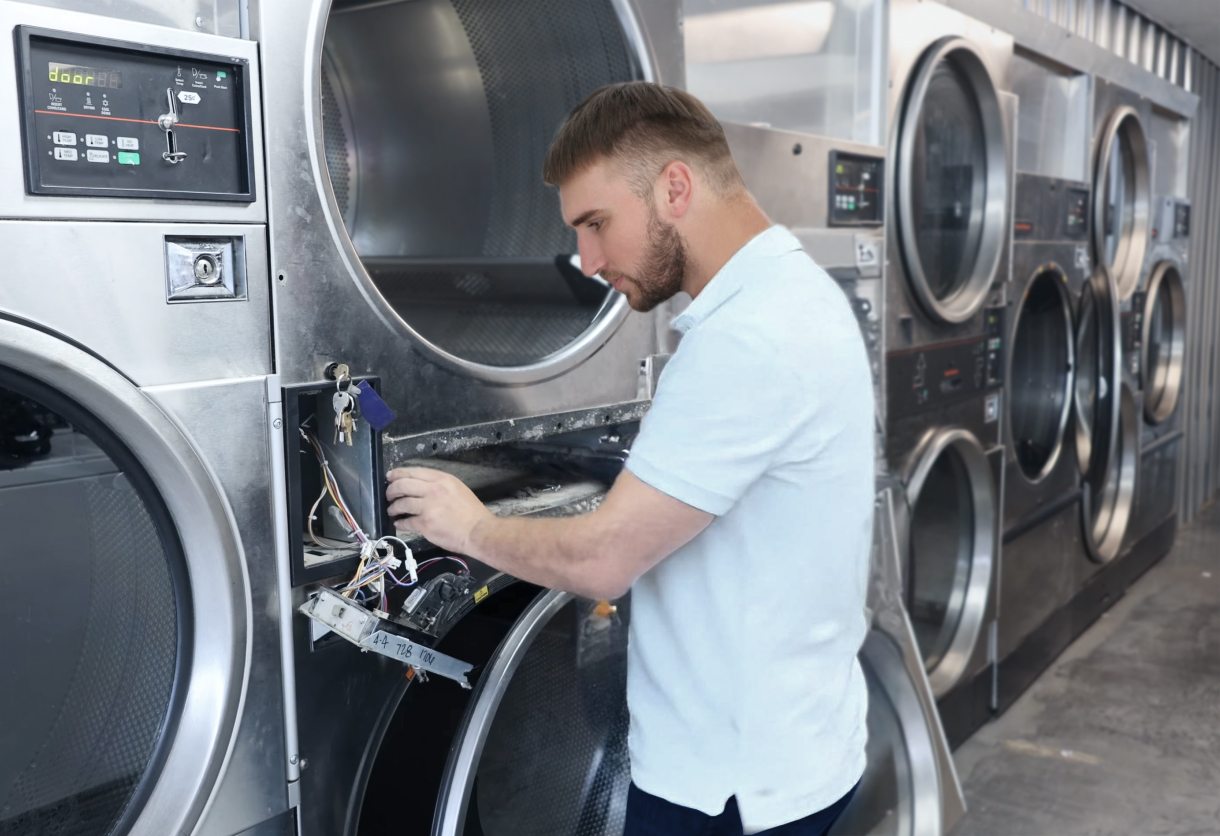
(227, 213)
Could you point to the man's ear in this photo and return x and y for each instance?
(675, 189)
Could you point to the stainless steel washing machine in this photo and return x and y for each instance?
(140, 580)
(412, 236)
(1156, 333)
(950, 180)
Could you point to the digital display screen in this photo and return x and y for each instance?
(84, 76)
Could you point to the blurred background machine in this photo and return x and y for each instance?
(951, 156)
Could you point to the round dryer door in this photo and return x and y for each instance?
(1164, 342)
(1121, 199)
(952, 181)
(544, 746)
(436, 116)
(901, 790)
(1105, 423)
(951, 562)
(122, 629)
(1040, 373)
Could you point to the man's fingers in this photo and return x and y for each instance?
(407, 486)
(406, 506)
(424, 474)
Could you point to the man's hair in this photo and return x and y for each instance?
(642, 126)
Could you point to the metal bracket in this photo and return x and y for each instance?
(363, 629)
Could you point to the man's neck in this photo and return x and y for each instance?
(718, 238)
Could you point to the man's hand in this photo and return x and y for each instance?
(441, 508)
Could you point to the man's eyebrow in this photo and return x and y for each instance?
(582, 217)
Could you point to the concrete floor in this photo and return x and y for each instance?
(1122, 734)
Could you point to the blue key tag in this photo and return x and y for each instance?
(374, 410)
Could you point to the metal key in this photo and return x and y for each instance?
(343, 403)
(349, 426)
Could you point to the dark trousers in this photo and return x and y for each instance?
(648, 815)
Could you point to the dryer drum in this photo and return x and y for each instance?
(952, 181)
(436, 117)
(1098, 370)
(1121, 196)
(1164, 343)
(952, 544)
(95, 621)
(542, 745)
(1040, 373)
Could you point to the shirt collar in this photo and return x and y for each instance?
(771, 242)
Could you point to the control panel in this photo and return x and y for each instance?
(1047, 209)
(931, 376)
(1181, 219)
(112, 119)
(856, 189)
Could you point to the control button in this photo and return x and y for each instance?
(65, 153)
(64, 138)
(97, 156)
(129, 158)
(97, 140)
(129, 143)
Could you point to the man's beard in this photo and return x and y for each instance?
(663, 268)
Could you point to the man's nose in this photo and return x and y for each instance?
(591, 259)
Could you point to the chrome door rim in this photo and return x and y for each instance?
(973, 603)
(1133, 245)
(605, 322)
(969, 298)
(458, 779)
(1161, 394)
(1069, 385)
(925, 816)
(1104, 531)
(216, 682)
(1104, 293)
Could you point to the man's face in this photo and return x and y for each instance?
(622, 237)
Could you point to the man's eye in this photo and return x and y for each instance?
(595, 225)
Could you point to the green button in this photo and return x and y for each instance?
(129, 158)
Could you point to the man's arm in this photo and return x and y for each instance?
(597, 555)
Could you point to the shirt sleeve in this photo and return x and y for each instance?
(721, 416)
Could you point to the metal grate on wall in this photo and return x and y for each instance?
(1199, 479)
(1118, 28)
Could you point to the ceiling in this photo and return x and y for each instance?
(1195, 21)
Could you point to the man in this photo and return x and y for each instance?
(742, 522)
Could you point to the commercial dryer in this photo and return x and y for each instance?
(141, 608)
(1157, 333)
(412, 236)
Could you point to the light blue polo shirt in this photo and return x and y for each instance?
(742, 671)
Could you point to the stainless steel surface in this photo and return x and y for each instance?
(15, 203)
(327, 306)
(217, 17)
(103, 285)
(219, 675)
(226, 423)
(1096, 45)
(279, 525)
(814, 67)
(920, 30)
(1122, 197)
(1164, 342)
(1053, 120)
(952, 557)
(205, 269)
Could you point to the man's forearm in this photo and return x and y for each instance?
(568, 553)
